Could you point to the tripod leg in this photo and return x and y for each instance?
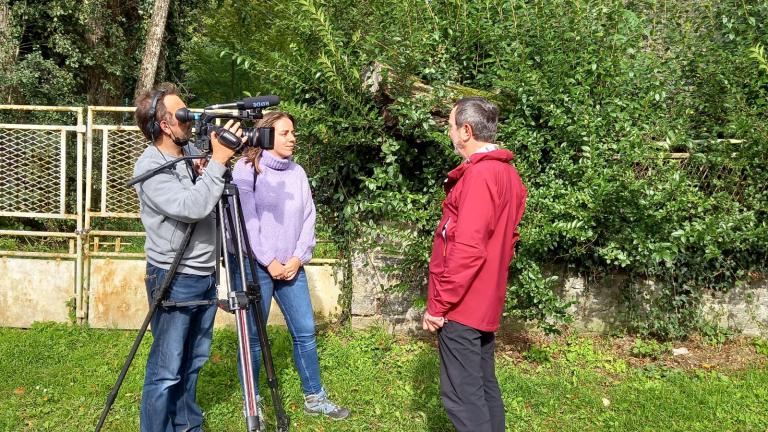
(164, 291)
(255, 299)
(255, 307)
(239, 305)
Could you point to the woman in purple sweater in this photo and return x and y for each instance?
(280, 220)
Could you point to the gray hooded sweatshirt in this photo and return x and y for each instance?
(169, 201)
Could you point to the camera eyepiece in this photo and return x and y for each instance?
(184, 115)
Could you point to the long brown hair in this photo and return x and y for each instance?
(252, 155)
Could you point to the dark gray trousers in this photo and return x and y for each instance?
(468, 386)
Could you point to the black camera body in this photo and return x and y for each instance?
(248, 109)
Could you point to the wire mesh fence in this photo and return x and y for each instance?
(39, 168)
(32, 171)
(124, 147)
(114, 144)
(41, 184)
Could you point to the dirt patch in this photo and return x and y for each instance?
(735, 354)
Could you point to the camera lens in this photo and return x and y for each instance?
(263, 137)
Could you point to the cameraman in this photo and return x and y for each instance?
(182, 194)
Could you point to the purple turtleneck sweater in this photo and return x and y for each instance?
(279, 214)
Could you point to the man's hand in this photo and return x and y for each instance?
(222, 153)
(200, 165)
(276, 270)
(432, 323)
(292, 267)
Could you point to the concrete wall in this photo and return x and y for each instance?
(118, 295)
(372, 300)
(39, 289)
(35, 290)
(596, 307)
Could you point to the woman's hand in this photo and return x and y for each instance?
(292, 267)
(276, 270)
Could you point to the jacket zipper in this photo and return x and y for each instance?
(445, 237)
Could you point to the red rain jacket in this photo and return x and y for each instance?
(475, 241)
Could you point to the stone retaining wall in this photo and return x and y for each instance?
(596, 306)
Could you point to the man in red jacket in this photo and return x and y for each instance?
(473, 246)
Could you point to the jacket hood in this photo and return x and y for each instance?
(501, 155)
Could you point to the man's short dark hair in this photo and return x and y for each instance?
(480, 114)
(143, 102)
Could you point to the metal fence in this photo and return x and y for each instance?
(115, 148)
(41, 177)
(63, 189)
(40, 171)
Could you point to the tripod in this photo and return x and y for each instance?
(250, 300)
(238, 302)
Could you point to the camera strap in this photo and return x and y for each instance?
(192, 171)
(190, 166)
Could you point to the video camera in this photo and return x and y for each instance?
(247, 109)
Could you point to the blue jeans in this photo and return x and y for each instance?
(293, 299)
(181, 345)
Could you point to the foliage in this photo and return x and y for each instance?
(595, 96)
(62, 51)
(66, 52)
(537, 355)
(761, 346)
(714, 334)
(650, 348)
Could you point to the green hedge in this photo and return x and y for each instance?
(595, 96)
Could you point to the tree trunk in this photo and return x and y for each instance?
(94, 35)
(377, 82)
(5, 32)
(152, 48)
(5, 20)
(8, 50)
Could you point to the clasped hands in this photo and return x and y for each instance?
(285, 271)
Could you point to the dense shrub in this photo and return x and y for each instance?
(595, 96)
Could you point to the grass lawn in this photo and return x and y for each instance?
(56, 378)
